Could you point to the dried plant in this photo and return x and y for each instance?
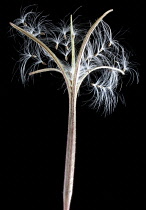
(98, 52)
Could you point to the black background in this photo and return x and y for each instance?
(110, 158)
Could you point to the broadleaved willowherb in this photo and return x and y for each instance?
(75, 53)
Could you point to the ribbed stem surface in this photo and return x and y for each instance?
(70, 153)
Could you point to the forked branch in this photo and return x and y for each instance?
(85, 41)
(47, 49)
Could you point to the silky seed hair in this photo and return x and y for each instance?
(102, 54)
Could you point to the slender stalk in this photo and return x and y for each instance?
(70, 152)
(71, 136)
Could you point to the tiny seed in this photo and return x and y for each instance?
(56, 46)
(42, 33)
(109, 44)
(66, 58)
(44, 63)
(66, 47)
(65, 36)
(33, 56)
(92, 84)
(25, 24)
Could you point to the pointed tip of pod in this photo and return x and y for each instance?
(11, 23)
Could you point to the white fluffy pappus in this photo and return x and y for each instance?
(98, 52)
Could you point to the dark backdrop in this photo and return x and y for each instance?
(110, 157)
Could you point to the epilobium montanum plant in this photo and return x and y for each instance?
(98, 52)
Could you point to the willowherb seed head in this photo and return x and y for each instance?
(56, 48)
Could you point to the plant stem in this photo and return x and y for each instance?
(70, 152)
